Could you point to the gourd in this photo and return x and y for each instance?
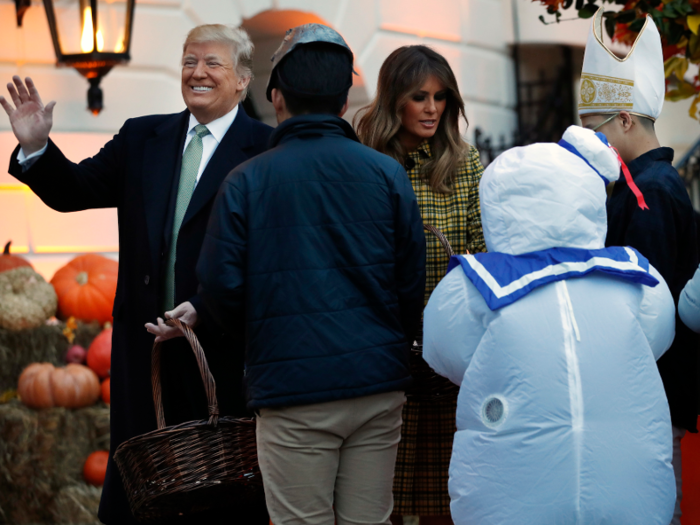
(106, 391)
(26, 299)
(86, 287)
(95, 468)
(9, 261)
(41, 385)
(76, 354)
(99, 355)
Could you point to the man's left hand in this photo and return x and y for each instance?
(184, 312)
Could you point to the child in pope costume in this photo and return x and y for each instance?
(561, 417)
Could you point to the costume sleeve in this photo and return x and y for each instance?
(66, 186)
(221, 267)
(453, 326)
(657, 315)
(475, 170)
(410, 254)
(689, 303)
(652, 232)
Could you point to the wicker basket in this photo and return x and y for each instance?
(190, 467)
(427, 385)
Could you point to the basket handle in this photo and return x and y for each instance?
(441, 237)
(207, 378)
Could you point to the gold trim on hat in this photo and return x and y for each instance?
(603, 78)
(599, 91)
(599, 17)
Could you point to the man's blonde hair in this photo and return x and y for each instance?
(239, 41)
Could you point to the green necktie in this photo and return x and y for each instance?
(188, 177)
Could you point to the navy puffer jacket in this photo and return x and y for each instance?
(319, 244)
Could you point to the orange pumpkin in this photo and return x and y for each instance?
(99, 355)
(10, 262)
(86, 287)
(95, 468)
(41, 385)
(105, 391)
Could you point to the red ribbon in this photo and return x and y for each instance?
(630, 182)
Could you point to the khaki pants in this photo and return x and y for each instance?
(330, 462)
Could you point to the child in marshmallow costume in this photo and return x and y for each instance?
(562, 416)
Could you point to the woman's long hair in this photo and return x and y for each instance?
(402, 74)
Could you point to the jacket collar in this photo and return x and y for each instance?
(217, 128)
(642, 162)
(161, 160)
(309, 126)
(419, 155)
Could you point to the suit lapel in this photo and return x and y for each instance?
(229, 154)
(162, 156)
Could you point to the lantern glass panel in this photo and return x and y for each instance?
(74, 20)
(69, 24)
(111, 26)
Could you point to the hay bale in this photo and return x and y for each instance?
(41, 453)
(43, 344)
(76, 504)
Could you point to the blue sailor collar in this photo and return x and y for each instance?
(502, 279)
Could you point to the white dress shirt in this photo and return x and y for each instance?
(217, 129)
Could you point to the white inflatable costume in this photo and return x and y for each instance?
(562, 416)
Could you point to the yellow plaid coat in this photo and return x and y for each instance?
(423, 459)
(456, 214)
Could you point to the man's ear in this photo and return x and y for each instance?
(278, 101)
(242, 83)
(344, 109)
(626, 121)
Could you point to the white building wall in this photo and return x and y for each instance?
(472, 34)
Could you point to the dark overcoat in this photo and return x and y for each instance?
(138, 172)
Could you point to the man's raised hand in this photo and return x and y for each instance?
(31, 121)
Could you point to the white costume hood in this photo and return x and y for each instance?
(544, 195)
(635, 83)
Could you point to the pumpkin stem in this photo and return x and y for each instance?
(6, 251)
(82, 278)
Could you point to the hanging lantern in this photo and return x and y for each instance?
(92, 36)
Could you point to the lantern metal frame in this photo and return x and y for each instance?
(21, 7)
(95, 64)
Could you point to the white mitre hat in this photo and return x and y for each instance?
(635, 83)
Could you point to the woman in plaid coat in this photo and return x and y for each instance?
(415, 119)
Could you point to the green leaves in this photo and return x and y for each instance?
(693, 111)
(588, 11)
(677, 65)
(610, 24)
(693, 49)
(625, 17)
(637, 24)
(679, 88)
(682, 90)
